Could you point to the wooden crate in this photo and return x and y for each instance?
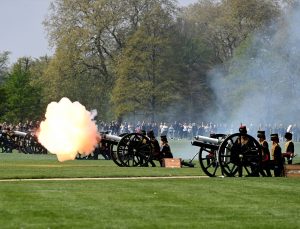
(292, 170)
(172, 162)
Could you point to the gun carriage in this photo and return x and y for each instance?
(127, 150)
(24, 142)
(229, 155)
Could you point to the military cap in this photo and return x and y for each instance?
(261, 134)
(164, 138)
(150, 134)
(243, 129)
(288, 135)
(212, 135)
(274, 137)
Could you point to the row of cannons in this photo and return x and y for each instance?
(21, 141)
(228, 155)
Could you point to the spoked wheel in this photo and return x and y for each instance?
(208, 158)
(7, 144)
(28, 143)
(239, 154)
(208, 161)
(32, 146)
(134, 150)
(114, 155)
(37, 148)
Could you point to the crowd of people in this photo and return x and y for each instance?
(173, 130)
(27, 126)
(187, 130)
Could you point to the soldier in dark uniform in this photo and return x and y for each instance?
(276, 156)
(240, 146)
(265, 151)
(165, 149)
(156, 155)
(289, 148)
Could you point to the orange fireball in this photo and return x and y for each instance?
(68, 129)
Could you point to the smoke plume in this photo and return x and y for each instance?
(262, 84)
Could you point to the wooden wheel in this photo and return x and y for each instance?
(208, 157)
(114, 155)
(134, 150)
(6, 143)
(32, 146)
(239, 154)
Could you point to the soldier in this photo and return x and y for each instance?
(265, 152)
(156, 155)
(165, 149)
(289, 147)
(276, 155)
(241, 147)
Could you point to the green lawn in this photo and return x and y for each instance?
(156, 203)
(176, 203)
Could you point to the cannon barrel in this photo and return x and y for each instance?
(205, 145)
(111, 137)
(214, 141)
(19, 133)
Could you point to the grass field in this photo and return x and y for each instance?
(151, 203)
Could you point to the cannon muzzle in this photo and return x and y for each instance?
(110, 137)
(214, 141)
(19, 133)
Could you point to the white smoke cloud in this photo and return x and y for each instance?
(267, 89)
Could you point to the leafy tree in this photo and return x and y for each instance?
(263, 73)
(89, 36)
(4, 56)
(225, 24)
(146, 74)
(22, 99)
(196, 60)
(3, 74)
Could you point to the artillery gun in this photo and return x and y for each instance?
(127, 150)
(24, 142)
(232, 155)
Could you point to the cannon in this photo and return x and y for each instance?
(126, 150)
(232, 155)
(22, 141)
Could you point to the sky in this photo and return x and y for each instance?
(22, 32)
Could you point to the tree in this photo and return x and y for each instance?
(22, 99)
(196, 59)
(89, 36)
(3, 74)
(261, 82)
(225, 24)
(4, 56)
(146, 71)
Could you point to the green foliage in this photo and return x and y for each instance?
(22, 100)
(225, 24)
(125, 57)
(4, 56)
(145, 77)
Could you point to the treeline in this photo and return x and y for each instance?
(147, 59)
